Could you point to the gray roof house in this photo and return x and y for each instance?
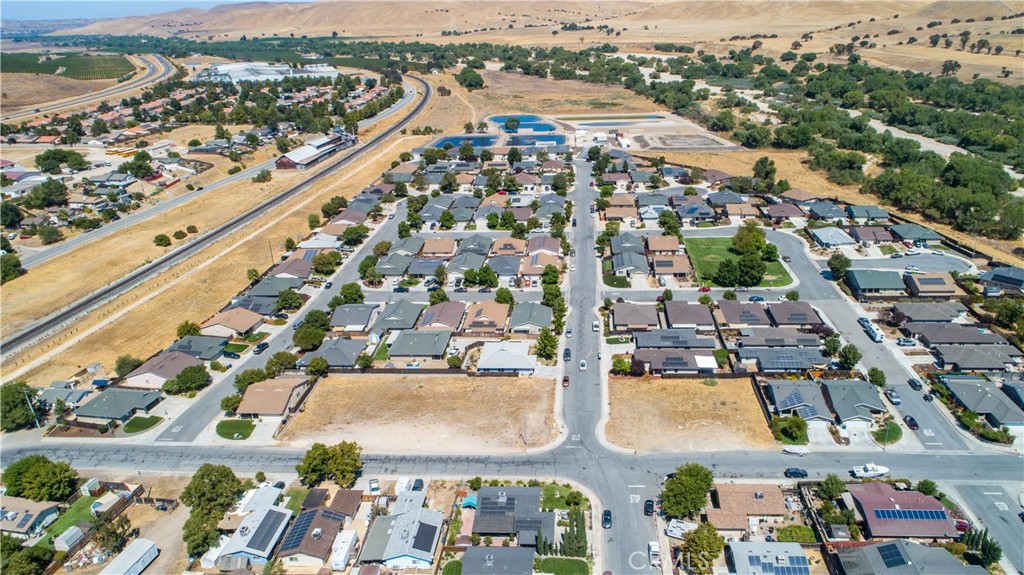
(406, 537)
(735, 314)
(476, 244)
(353, 316)
(914, 232)
(506, 356)
(902, 557)
(679, 338)
(802, 398)
(393, 265)
(401, 314)
(271, 287)
(977, 357)
(777, 337)
(629, 263)
(932, 334)
(505, 266)
(798, 314)
(627, 242)
(853, 400)
(504, 509)
(443, 315)
(782, 360)
(725, 197)
(498, 561)
(117, 404)
(204, 347)
(631, 316)
(832, 237)
(424, 267)
(685, 314)
(866, 213)
(673, 360)
(465, 261)
(766, 558)
(529, 317)
(257, 536)
(824, 211)
(339, 353)
(421, 344)
(984, 397)
(695, 212)
(409, 246)
(1008, 279)
(943, 312)
(875, 282)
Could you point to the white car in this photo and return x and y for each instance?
(938, 253)
(568, 333)
(583, 365)
(572, 268)
(912, 252)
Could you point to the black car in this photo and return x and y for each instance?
(231, 355)
(281, 315)
(796, 473)
(928, 397)
(484, 290)
(606, 519)
(260, 348)
(401, 289)
(433, 288)
(417, 485)
(914, 384)
(911, 422)
(461, 290)
(566, 354)
(649, 507)
(328, 285)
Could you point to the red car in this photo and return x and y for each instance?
(704, 289)
(565, 381)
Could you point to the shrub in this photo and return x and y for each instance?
(180, 235)
(162, 240)
(234, 170)
(192, 230)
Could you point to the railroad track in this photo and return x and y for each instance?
(58, 319)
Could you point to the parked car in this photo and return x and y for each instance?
(912, 252)
(914, 384)
(231, 355)
(297, 324)
(374, 487)
(583, 365)
(572, 267)
(756, 298)
(280, 315)
(911, 422)
(566, 354)
(484, 290)
(649, 507)
(704, 289)
(606, 519)
(596, 326)
(929, 397)
(568, 333)
(328, 285)
(938, 253)
(912, 269)
(461, 290)
(906, 342)
(417, 485)
(795, 473)
(787, 259)
(401, 289)
(896, 256)
(893, 396)
(433, 288)
(260, 347)
(565, 381)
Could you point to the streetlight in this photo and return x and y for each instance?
(33, 409)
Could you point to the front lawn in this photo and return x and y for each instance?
(616, 281)
(452, 568)
(235, 347)
(382, 352)
(139, 423)
(296, 496)
(256, 337)
(410, 282)
(887, 249)
(617, 340)
(229, 427)
(80, 511)
(562, 566)
(895, 434)
(554, 497)
(707, 253)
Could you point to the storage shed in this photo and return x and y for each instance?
(134, 559)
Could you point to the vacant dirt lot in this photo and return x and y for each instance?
(24, 90)
(653, 414)
(506, 92)
(428, 414)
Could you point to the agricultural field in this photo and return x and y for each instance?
(74, 66)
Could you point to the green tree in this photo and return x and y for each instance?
(404, 230)
(51, 235)
(37, 478)
(231, 403)
(793, 295)
(318, 366)
(550, 275)
(927, 487)
(832, 345)
(319, 319)
(187, 328)
(849, 355)
(447, 220)
(686, 493)
(126, 364)
(252, 274)
(876, 377)
(288, 299)
(110, 532)
(364, 361)
(438, 296)
(248, 377)
(454, 361)
(749, 238)
(352, 293)
(308, 337)
(354, 235)
(547, 344)
(469, 79)
(314, 221)
(275, 567)
(769, 253)
(339, 463)
(200, 533)
(213, 490)
(17, 402)
(831, 488)
(838, 264)
(703, 546)
(192, 378)
(751, 270)
(729, 295)
(162, 240)
(279, 362)
(10, 215)
(764, 170)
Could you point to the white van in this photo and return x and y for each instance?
(654, 553)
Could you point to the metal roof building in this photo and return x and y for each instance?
(406, 537)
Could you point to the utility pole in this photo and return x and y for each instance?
(33, 409)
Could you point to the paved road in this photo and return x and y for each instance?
(30, 260)
(997, 510)
(158, 68)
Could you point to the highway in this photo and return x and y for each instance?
(158, 68)
(58, 319)
(37, 257)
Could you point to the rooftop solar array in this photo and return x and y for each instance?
(911, 514)
(797, 566)
(25, 519)
(300, 528)
(263, 538)
(891, 555)
(424, 540)
(931, 281)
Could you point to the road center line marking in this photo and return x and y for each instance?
(636, 486)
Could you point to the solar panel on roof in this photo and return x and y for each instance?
(931, 281)
(891, 555)
(791, 400)
(25, 519)
(754, 560)
(424, 540)
(911, 514)
(806, 412)
(263, 538)
(298, 530)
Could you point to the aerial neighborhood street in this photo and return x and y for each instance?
(550, 342)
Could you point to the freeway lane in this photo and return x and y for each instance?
(158, 68)
(37, 257)
(55, 321)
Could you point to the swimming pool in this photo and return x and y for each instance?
(475, 141)
(527, 122)
(545, 140)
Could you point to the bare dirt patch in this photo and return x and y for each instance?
(506, 92)
(428, 414)
(685, 415)
(23, 90)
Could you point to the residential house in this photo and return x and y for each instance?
(766, 558)
(875, 283)
(901, 557)
(254, 541)
(677, 266)
(417, 345)
(508, 246)
(498, 561)
(901, 514)
(262, 298)
(503, 510)
(543, 245)
(475, 244)
(940, 285)
(273, 397)
(798, 314)
(506, 356)
(781, 360)
(630, 317)
(307, 545)
(824, 211)
(870, 235)
(741, 211)
(977, 357)
(534, 265)
(735, 314)
(942, 312)
(626, 242)
(866, 214)
(202, 347)
(622, 201)
(400, 314)
(983, 397)
(831, 237)
(393, 265)
(340, 353)
(1003, 279)
(799, 398)
(445, 316)
(694, 213)
(662, 245)
(463, 262)
(353, 317)
(619, 180)
(439, 247)
(529, 317)
(672, 360)
(725, 197)
(855, 402)
(160, 369)
(487, 316)
(116, 404)
(742, 510)
(424, 267)
(798, 196)
(627, 264)
(681, 314)
(408, 247)
(651, 215)
(783, 211)
(22, 518)
(777, 337)
(405, 538)
(914, 233)
(932, 334)
(678, 338)
(641, 180)
(235, 322)
(505, 266)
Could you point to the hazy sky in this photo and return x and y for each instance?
(58, 9)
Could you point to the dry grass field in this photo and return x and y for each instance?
(654, 414)
(27, 90)
(504, 92)
(428, 414)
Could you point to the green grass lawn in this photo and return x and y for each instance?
(616, 281)
(707, 253)
(615, 340)
(235, 347)
(139, 423)
(707, 225)
(796, 534)
(554, 497)
(452, 568)
(78, 512)
(229, 427)
(296, 495)
(381, 354)
(562, 566)
(895, 434)
(410, 282)
(258, 336)
(887, 249)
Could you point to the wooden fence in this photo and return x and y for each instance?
(115, 510)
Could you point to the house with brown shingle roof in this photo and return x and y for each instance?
(741, 211)
(675, 265)
(293, 268)
(508, 246)
(438, 247)
(623, 214)
(346, 502)
(445, 315)
(782, 211)
(309, 540)
(488, 316)
(231, 323)
(664, 245)
(736, 506)
(543, 244)
(534, 265)
(494, 200)
(797, 196)
(622, 201)
(159, 369)
(272, 397)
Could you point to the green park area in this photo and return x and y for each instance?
(707, 253)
